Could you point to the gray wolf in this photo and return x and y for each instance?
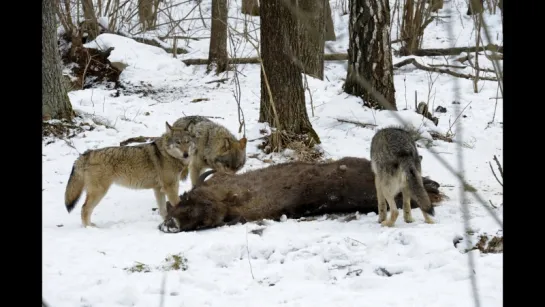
(296, 189)
(215, 147)
(156, 165)
(397, 167)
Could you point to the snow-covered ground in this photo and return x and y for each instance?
(312, 263)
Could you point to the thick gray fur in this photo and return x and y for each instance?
(397, 167)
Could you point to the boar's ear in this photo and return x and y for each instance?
(168, 127)
(242, 143)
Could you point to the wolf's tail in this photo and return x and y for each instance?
(416, 186)
(75, 185)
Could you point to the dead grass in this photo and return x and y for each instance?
(301, 144)
(63, 129)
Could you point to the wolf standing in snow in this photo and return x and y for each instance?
(396, 165)
(215, 147)
(156, 165)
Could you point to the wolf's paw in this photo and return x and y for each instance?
(429, 221)
(408, 219)
(169, 226)
(387, 223)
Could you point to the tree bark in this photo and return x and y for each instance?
(280, 72)
(329, 27)
(147, 13)
(217, 54)
(311, 41)
(475, 7)
(436, 5)
(369, 54)
(90, 24)
(55, 101)
(250, 7)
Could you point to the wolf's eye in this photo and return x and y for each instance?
(178, 142)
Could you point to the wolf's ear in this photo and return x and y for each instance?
(242, 143)
(168, 127)
(227, 143)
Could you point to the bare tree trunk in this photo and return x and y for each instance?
(147, 13)
(279, 72)
(55, 101)
(90, 24)
(436, 5)
(475, 7)
(329, 27)
(369, 53)
(250, 7)
(310, 40)
(217, 54)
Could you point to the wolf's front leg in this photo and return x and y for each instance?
(161, 202)
(195, 168)
(171, 188)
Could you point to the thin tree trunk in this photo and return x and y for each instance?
(311, 41)
(146, 13)
(91, 23)
(281, 72)
(329, 27)
(436, 5)
(369, 53)
(217, 54)
(250, 7)
(475, 7)
(55, 101)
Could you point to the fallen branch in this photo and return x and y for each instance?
(456, 50)
(344, 56)
(359, 124)
(138, 139)
(218, 81)
(439, 70)
(255, 60)
(156, 42)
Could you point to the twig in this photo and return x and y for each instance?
(218, 81)
(248, 254)
(499, 166)
(359, 124)
(491, 204)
